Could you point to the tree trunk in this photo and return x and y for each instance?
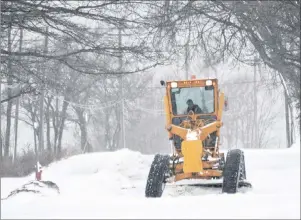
(16, 128)
(117, 138)
(9, 94)
(35, 134)
(34, 119)
(84, 143)
(35, 141)
(47, 117)
(55, 124)
(17, 104)
(42, 95)
(292, 135)
(287, 122)
(255, 126)
(107, 129)
(83, 130)
(8, 127)
(61, 128)
(236, 135)
(106, 119)
(1, 148)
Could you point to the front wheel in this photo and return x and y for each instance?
(157, 176)
(234, 171)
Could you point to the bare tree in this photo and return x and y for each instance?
(33, 17)
(239, 29)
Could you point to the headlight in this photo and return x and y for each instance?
(208, 82)
(174, 85)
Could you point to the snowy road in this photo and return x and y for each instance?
(111, 185)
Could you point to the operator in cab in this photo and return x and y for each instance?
(193, 107)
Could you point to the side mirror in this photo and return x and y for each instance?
(226, 103)
(162, 83)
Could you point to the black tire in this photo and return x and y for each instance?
(243, 175)
(234, 171)
(157, 176)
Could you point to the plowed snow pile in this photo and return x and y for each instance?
(111, 185)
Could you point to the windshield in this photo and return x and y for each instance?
(197, 99)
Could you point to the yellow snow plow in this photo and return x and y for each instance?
(193, 111)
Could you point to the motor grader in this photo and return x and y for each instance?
(193, 110)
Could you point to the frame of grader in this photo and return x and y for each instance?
(195, 140)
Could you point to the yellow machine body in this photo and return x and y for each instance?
(193, 150)
(193, 110)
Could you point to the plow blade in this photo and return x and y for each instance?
(212, 184)
(218, 185)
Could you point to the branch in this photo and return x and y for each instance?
(17, 95)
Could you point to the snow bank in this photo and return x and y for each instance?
(111, 185)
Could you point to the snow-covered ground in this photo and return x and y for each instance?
(111, 185)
